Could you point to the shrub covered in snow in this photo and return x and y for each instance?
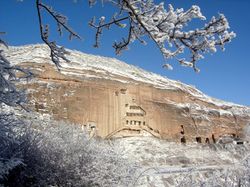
(9, 152)
(61, 154)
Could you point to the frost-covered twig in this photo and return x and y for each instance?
(167, 28)
(9, 94)
(101, 25)
(56, 53)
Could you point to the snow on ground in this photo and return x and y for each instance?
(111, 68)
(151, 151)
(170, 164)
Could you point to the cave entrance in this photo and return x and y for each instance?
(183, 140)
(239, 142)
(207, 141)
(198, 139)
(213, 138)
(182, 130)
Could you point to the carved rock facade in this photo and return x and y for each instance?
(111, 104)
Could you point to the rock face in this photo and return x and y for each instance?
(113, 99)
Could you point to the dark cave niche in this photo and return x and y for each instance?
(198, 139)
(207, 141)
(183, 140)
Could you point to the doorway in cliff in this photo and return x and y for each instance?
(182, 129)
(183, 140)
(207, 141)
(213, 138)
(198, 139)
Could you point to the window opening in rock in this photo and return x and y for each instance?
(198, 139)
(207, 141)
(123, 91)
(144, 123)
(183, 140)
(157, 131)
(240, 142)
(182, 130)
(214, 141)
(233, 135)
(127, 121)
(92, 126)
(133, 107)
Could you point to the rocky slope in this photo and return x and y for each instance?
(113, 99)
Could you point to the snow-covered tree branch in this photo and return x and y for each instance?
(167, 28)
(9, 94)
(57, 53)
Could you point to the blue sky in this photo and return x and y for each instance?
(224, 75)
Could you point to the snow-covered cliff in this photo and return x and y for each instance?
(165, 102)
(110, 68)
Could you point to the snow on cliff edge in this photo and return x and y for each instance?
(40, 53)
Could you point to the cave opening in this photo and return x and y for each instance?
(207, 141)
(182, 130)
(183, 140)
(198, 139)
(213, 138)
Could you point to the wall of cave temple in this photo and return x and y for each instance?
(117, 110)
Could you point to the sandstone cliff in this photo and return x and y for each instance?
(113, 99)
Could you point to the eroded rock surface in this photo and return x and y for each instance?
(113, 99)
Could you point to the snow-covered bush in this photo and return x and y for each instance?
(237, 174)
(9, 151)
(61, 154)
(9, 96)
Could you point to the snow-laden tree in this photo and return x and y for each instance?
(9, 154)
(165, 26)
(9, 96)
(62, 154)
